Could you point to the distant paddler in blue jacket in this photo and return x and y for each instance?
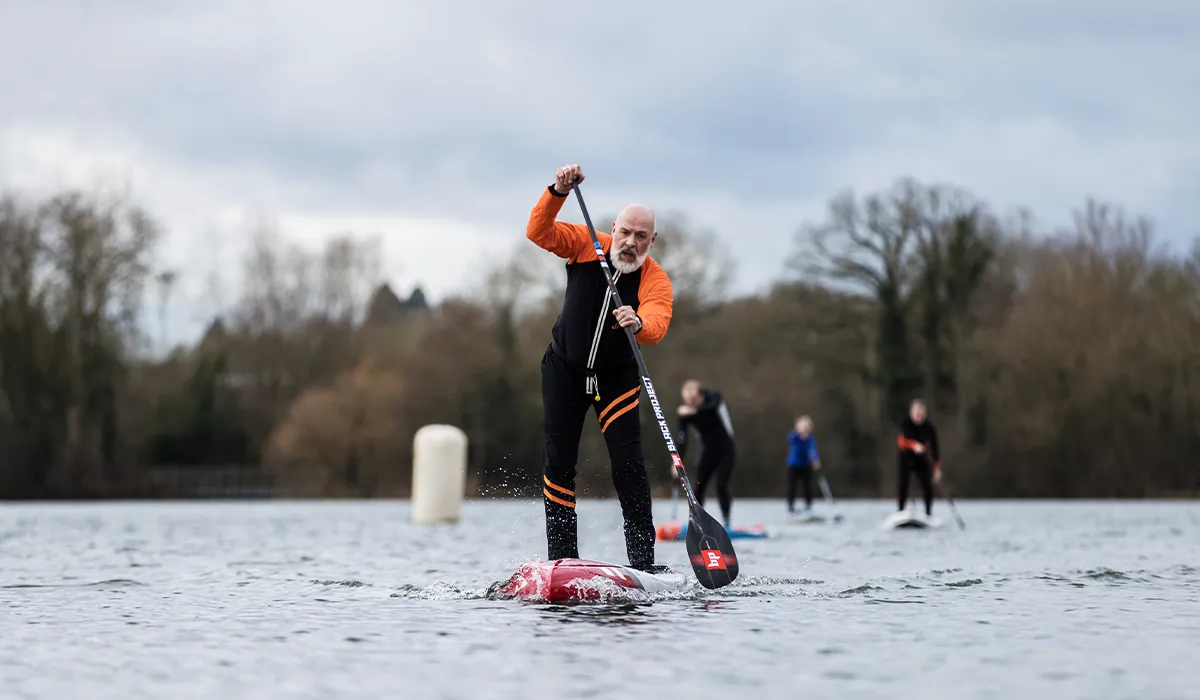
(802, 461)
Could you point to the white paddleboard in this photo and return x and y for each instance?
(806, 516)
(910, 520)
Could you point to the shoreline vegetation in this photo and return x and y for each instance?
(1056, 363)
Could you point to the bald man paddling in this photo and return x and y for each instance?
(590, 365)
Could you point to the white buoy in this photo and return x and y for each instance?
(439, 474)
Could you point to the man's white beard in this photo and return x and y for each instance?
(625, 267)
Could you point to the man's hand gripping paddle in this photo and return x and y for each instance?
(708, 544)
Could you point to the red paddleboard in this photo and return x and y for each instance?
(672, 530)
(675, 530)
(562, 580)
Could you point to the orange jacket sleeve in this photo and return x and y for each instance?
(905, 444)
(656, 301)
(566, 240)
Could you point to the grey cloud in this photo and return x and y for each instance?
(463, 109)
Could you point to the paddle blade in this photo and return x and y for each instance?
(710, 550)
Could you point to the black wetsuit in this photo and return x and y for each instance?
(590, 366)
(711, 420)
(909, 462)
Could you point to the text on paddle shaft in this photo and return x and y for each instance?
(662, 422)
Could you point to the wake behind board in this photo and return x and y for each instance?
(567, 580)
(910, 520)
(676, 531)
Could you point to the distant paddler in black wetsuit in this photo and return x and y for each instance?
(705, 410)
(919, 454)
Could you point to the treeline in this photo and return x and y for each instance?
(1055, 363)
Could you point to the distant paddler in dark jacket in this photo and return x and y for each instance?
(918, 453)
(705, 410)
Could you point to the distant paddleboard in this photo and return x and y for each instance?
(675, 530)
(910, 520)
(809, 515)
(564, 580)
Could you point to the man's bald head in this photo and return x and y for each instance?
(637, 215)
(633, 235)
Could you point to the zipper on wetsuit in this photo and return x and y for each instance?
(592, 385)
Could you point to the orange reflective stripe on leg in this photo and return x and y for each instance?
(616, 401)
(556, 499)
(618, 414)
(556, 487)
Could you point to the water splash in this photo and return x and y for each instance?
(858, 590)
(603, 591)
(346, 584)
(1107, 574)
(440, 590)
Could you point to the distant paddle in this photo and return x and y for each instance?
(950, 502)
(708, 545)
(828, 496)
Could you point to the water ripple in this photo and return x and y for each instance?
(339, 599)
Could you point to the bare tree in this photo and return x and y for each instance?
(350, 272)
(868, 248)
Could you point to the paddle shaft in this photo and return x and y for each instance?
(825, 488)
(950, 502)
(828, 496)
(946, 495)
(663, 425)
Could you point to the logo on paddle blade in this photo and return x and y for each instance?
(712, 559)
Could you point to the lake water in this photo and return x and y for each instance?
(349, 600)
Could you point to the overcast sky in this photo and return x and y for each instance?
(437, 124)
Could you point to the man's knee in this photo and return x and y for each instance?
(624, 450)
(624, 439)
(560, 457)
(726, 468)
